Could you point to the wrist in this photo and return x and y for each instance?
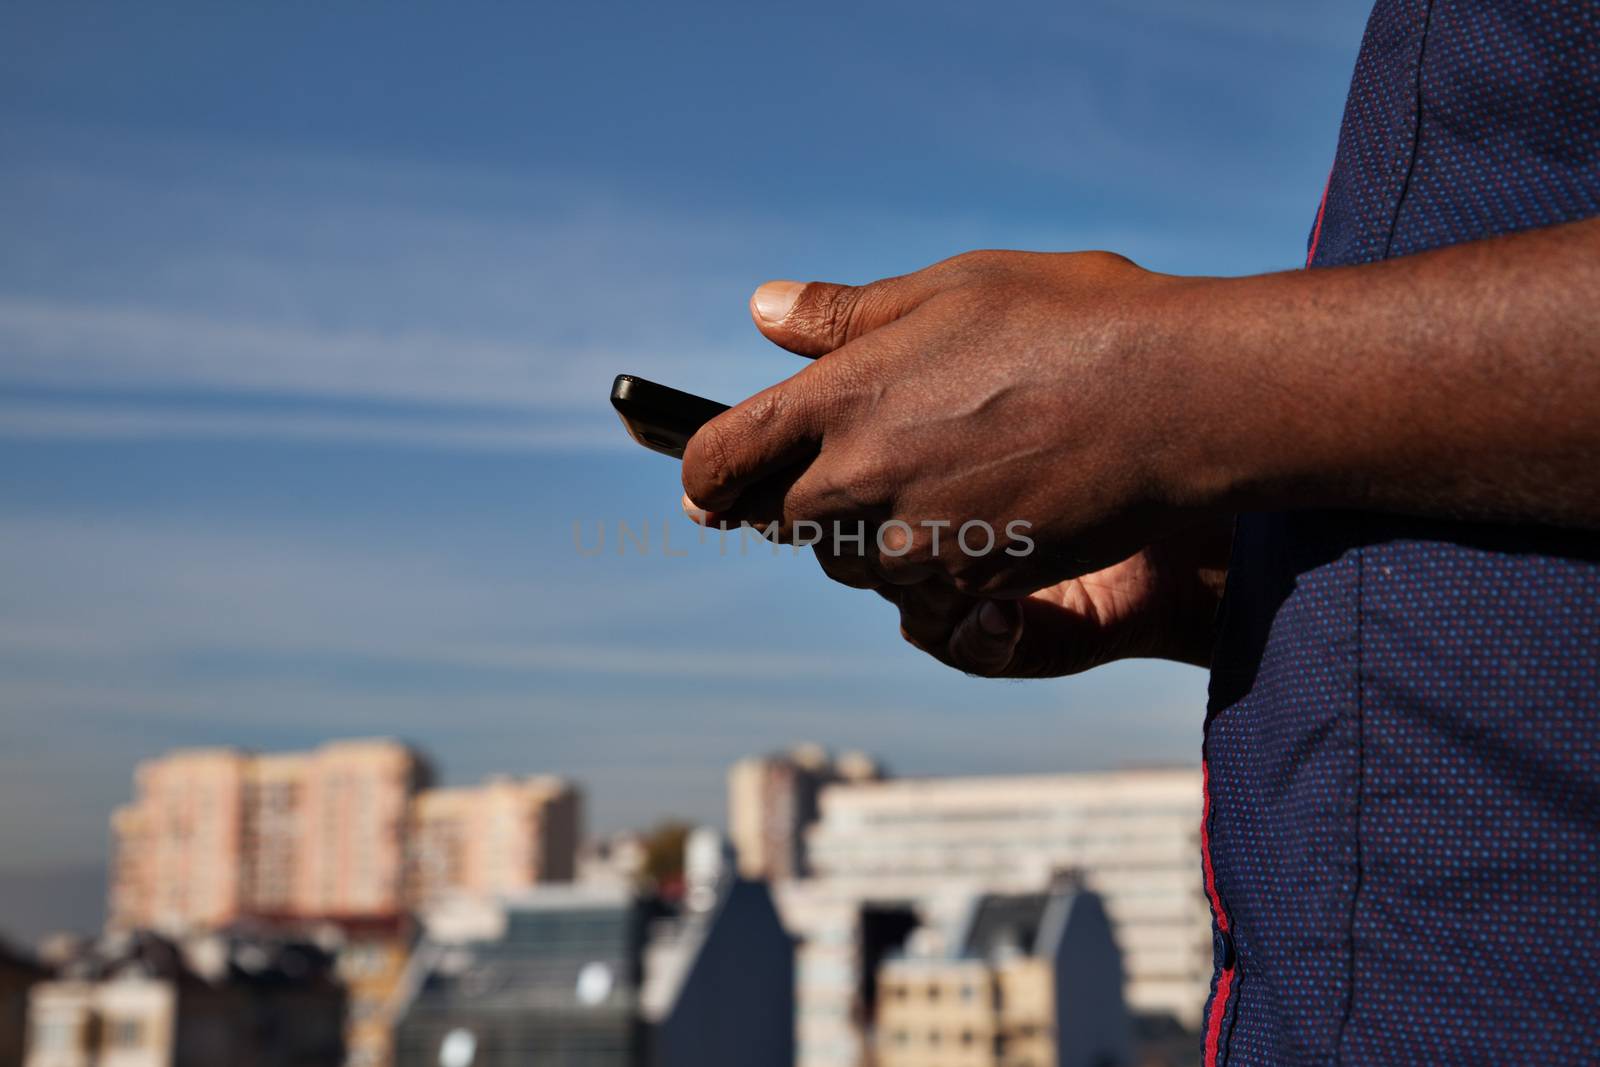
(1216, 451)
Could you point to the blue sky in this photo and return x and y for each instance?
(307, 319)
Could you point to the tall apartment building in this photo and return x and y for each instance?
(274, 788)
(355, 803)
(218, 835)
(177, 850)
(773, 799)
(500, 837)
(928, 844)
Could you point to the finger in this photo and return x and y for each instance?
(784, 425)
(986, 641)
(1055, 641)
(774, 501)
(847, 569)
(787, 512)
(929, 614)
(779, 427)
(842, 554)
(812, 319)
(898, 558)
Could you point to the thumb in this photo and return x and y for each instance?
(985, 642)
(814, 318)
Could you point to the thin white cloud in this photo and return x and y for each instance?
(376, 281)
(540, 431)
(321, 278)
(67, 344)
(138, 598)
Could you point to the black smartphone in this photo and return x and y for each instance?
(658, 417)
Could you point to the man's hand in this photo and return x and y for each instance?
(1109, 408)
(1160, 602)
(1015, 392)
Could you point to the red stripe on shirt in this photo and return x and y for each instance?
(1316, 231)
(1219, 1008)
(1219, 1001)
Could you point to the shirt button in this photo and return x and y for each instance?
(1223, 946)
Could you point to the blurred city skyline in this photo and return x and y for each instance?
(307, 319)
(832, 880)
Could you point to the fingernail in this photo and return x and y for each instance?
(994, 619)
(774, 300)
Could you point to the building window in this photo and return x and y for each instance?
(55, 1035)
(125, 1033)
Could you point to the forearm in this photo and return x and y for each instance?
(1463, 382)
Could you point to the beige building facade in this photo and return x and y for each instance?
(139, 1000)
(1133, 835)
(129, 1023)
(1022, 980)
(354, 817)
(346, 831)
(965, 1013)
(772, 801)
(504, 836)
(177, 849)
(218, 835)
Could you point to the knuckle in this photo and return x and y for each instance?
(825, 314)
(1103, 261)
(971, 576)
(858, 488)
(764, 406)
(846, 570)
(896, 571)
(876, 470)
(808, 498)
(981, 264)
(905, 546)
(898, 539)
(965, 585)
(849, 486)
(840, 314)
(799, 504)
(872, 305)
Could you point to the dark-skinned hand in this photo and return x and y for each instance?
(1012, 391)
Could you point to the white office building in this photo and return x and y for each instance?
(926, 845)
